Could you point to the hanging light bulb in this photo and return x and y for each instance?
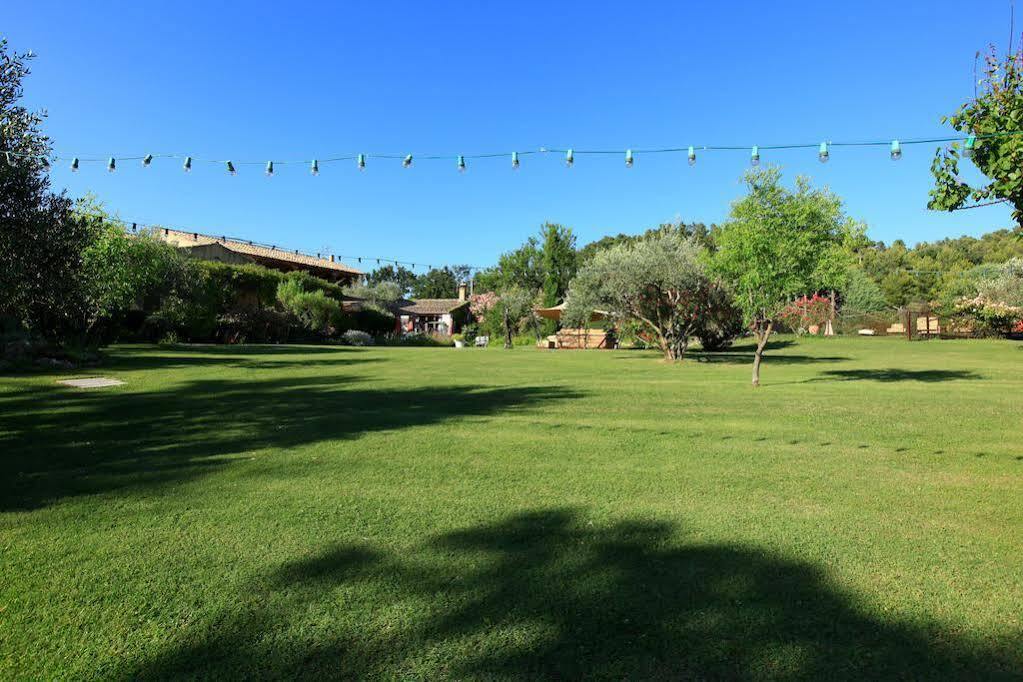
(230, 168)
(362, 162)
(971, 142)
(569, 158)
(515, 160)
(187, 165)
(314, 167)
(896, 152)
(823, 154)
(692, 156)
(407, 161)
(74, 165)
(754, 157)
(111, 165)
(146, 160)
(628, 158)
(461, 164)
(269, 168)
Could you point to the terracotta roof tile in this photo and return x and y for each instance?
(186, 239)
(431, 306)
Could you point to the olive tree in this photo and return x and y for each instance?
(661, 282)
(779, 244)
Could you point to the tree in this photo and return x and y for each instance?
(521, 268)
(122, 271)
(996, 109)
(558, 262)
(703, 234)
(382, 296)
(660, 282)
(437, 283)
(314, 309)
(861, 294)
(778, 244)
(400, 275)
(41, 240)
(513, 305)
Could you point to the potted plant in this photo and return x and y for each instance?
(459, 340)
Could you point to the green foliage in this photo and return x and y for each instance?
(41, 241)
(997, 109)
(1004, 285)
(934, 271)
(521, 268)
(720, 322)
(314, 309)
(437, 283)
(660, 281)
(861, 294)
(780, 244)
(702, 233)
(123, 272)
(382, 296)
(399, 275)
(558, 262)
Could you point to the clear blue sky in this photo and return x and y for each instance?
(257, 81)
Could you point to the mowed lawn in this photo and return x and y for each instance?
(320, 512)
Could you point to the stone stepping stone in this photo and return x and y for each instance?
(93, 382)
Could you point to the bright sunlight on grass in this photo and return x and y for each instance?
(432, 513)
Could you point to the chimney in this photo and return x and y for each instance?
(331, 258)
(462, 288)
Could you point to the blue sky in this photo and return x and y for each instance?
(259, 81)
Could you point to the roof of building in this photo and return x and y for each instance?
(431, 306)
(188, 239)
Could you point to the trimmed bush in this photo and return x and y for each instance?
(354, 337)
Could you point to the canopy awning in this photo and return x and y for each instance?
(555, 313)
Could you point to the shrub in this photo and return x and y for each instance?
(806, 312)
(354, 337)
(720, 322)
(986, 318)
(314, 309)
(417, 339)
(255, 325)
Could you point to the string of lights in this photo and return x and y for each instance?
(134, 226)
(895, 150)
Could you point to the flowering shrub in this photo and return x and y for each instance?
(479, 304)
(987, 318)
(807, 312)
(354, 337)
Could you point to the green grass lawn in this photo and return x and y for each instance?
(439, 513)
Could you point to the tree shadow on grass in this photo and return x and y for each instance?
(136, 358)
(890, 375)
(744, 358)
(542, 596)
(58, 443)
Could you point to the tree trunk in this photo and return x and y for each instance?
(762, 335)
(507, 330)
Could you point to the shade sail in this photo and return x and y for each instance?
(555, 313)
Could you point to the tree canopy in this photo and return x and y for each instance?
(996, 111)
(660, 281)
(779, 244)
